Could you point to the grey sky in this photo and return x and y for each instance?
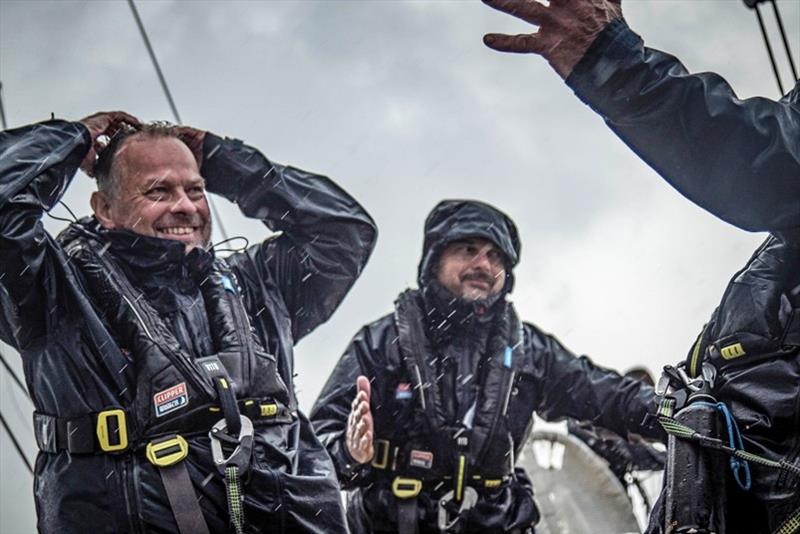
(401, 104)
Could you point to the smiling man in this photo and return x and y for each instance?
(429, 406)
(162, 375)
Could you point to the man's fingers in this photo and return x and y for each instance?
(362, 384)
(365, 446)
(526, 43)
(527, 10)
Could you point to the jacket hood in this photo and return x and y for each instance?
(451, 220)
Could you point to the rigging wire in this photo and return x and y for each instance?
(16, 444)
(785, 41)
(168, 94)
(2, 110)
(769, 48)
(14, 375)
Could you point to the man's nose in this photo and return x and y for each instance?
(183, 204)
(481, 261)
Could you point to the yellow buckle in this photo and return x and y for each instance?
(381, 459)
(406, 488)
(268, 410)
(167, 452)
(492, 482)
(103, 434)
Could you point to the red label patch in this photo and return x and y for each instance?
(423, 459)
(171, 399)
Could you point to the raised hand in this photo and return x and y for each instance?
(100, 124)
(194, 140)
(566, 28)
(360, 427)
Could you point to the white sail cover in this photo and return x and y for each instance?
(575, 490)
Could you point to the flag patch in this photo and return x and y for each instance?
(171, 399)
(403, 391)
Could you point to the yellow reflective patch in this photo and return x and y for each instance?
(268, 410)
(492, 482)
(732, 351)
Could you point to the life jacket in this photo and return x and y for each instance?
(173, 393)
(759, 315)
(430, 447)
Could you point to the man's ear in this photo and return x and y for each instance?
(101, 206)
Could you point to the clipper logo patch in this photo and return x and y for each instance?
(403, 391)
(171, 399)
(422, 459)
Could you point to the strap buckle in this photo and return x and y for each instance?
(243, 445)
(167, 451)
(406, 488)
(470, 497)
(104, 434)
(381, 459)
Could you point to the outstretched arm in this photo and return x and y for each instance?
(37, 163)
(326, 237)
(571, 386)
(738, 159)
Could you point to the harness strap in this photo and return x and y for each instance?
(168, 454)
(106, 431)
(407, 522)
(183, 500)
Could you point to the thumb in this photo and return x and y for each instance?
(362, 384)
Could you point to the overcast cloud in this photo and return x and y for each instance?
(402, 105)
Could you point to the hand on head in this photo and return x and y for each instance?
(360, 428)
(193, 138)
(103, 123)
(566, 28)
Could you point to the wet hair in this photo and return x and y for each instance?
(104, 172)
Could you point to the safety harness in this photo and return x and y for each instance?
(177, 396)
(477, 451)
(681, 399)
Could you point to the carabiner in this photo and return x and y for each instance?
(240, 457)
(468, 501)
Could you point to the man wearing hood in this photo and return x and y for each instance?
(162, 375)
(429, 406)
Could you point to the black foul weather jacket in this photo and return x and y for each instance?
(740, 160)
(454, 388)
(110, 326)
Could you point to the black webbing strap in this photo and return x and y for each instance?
(183, 499)
(168, 454)
(407, 522)
(105, 431)
(227, 398)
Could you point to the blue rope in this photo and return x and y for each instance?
(734, 441)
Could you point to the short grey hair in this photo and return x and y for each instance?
(104, 172)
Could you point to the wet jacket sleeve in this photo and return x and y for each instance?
(37, 163)
(571, 386)
(738, 159)
(332, 408)
(326, 236)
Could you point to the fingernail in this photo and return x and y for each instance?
(488, 39)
